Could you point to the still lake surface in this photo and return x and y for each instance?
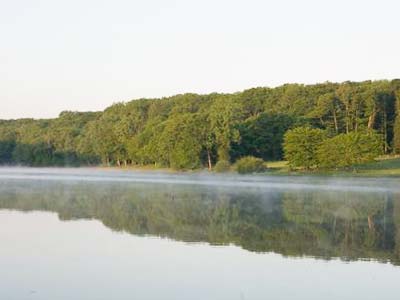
(103, 234)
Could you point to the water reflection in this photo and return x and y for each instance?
(350, 225)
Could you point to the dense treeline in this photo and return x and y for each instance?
(193, 131)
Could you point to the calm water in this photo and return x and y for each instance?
(92, 234)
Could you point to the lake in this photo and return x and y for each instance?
(106, 234)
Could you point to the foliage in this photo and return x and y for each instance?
(222, 166)
(262, 136)
(179, 143)
(396, 137)
(190, 131)
(224, 114)
(249, 164)
(345, 150)
(301, 145)
(7, 145)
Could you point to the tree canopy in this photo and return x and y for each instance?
(193, 131)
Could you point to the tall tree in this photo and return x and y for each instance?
(225, 113)
(396, 138)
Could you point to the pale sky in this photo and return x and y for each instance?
(86, 54)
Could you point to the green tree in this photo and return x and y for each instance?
(328, 110)
(225, 113)
(262, 136)
(396, 129)
(99, 139)
(7, 143)
(346, 150)
(179, 143)
(301, 145)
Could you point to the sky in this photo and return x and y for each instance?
(87, 54)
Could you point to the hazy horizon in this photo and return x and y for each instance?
(84, 56)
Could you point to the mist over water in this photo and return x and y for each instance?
(202, 178)
(118, 234)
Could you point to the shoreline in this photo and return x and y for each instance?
(382, 168)
(386, 166)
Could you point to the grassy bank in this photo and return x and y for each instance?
(382, 167)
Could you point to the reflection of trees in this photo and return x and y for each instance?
(350, 225)
(325, 224)
(396, 217)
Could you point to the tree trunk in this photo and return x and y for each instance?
(356, 121)
(385, 131)
(209, 160)
(370, 223)
(371, 120)
(335, 121)
(334, 227)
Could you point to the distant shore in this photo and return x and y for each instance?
(386, 166)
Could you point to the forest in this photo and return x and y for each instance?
(192, 131)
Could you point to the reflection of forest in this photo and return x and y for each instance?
(322, 224)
